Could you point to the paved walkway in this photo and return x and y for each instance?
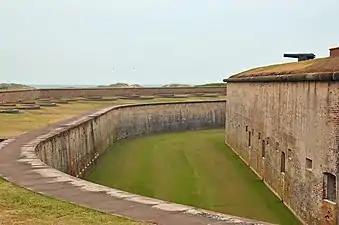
(19, 164)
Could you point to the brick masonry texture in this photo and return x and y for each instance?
(267, 120)
(26, 95)
(334, 52)
(71, 146)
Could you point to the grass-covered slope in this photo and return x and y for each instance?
(311, 66)
(194, 168)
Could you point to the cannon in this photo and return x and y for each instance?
(301, 56)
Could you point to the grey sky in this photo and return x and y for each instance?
(167, 41)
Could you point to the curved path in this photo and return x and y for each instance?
(19, 164)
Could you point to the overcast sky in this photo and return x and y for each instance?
(167, 41)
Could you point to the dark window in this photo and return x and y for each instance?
(330, 186)
(308, 163)
(259, 135)
(282, 163)
(277, 146)
(246, 128)
(263, 150)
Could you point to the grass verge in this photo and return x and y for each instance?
(194, 168)
(20, 206)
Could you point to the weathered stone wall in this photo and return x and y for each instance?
(22, 95)
(74, 148)
(277, 128)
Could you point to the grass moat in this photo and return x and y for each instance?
(194, 168)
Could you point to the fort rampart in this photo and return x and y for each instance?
(26, 95)
(53, 160)
(286, 128)
(73, 149)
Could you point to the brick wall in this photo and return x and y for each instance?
(20, 95)
(299, 120)
(334, 52)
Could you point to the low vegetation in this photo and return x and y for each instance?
(122, 85)
(194, 168)
(176, 85)
(212, 85)
(13, 86)
(311, 66)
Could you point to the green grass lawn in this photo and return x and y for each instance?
(20, 206)
(194, 168)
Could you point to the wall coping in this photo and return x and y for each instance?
(305, 77)
(104, 88)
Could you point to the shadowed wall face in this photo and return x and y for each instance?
(288, 133)
(74, 150)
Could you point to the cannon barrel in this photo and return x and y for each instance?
(300, 56)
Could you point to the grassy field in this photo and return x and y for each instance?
(309, 66)
(16, 124)
(193, 168)
(20, 206)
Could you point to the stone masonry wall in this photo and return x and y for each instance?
(73, 149)
(24, 95)
(287, 132)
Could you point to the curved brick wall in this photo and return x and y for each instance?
(23, 95)
(74, 148)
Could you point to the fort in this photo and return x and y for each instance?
(282, 120)
(51, 161)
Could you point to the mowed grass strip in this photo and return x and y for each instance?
(194, 168)
(20, 206)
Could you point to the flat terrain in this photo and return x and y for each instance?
(16, 124)
(20, 206)
(194, 168)
(310, 66)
